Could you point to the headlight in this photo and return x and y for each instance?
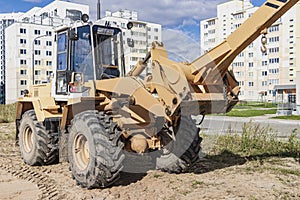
(78, 78)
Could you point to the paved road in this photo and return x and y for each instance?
(223, 124)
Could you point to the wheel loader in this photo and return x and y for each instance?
(101, 119)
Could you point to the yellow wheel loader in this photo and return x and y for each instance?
(102, 120)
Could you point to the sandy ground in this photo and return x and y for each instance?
(14, 188)
(225, 176)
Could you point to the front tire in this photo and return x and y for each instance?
(181, 153)
(36, 143)
(94, 150)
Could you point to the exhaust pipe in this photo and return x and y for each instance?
(98, 10)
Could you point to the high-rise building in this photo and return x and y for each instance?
(142, 34)
(5, 21)
(29, 45)
(261, 76)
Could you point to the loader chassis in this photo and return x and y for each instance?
(98, 118)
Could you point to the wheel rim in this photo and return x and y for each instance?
(81, 152)
(28, 139)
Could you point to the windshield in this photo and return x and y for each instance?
(104, 51)
(109, 58)
(82, 56)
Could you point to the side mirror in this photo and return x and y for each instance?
(72, 34)
(129, 25)
(85, 18)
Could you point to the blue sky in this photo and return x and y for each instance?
(21, 5)
(179, 18)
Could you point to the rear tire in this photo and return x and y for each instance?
(94, 150)
(181, 153)
(37, 145)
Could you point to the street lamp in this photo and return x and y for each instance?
(33, 43)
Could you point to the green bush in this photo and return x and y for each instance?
(258, 141)
(7, 113)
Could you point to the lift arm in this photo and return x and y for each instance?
(208, 68)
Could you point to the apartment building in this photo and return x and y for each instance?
(5, 21)
(259, 74)
(142, 34)
(29, 45)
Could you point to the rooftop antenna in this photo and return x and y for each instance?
(98, 10)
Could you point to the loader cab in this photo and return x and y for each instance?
(87, 53)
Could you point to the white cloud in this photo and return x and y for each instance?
(176, 17)
(180, 46)
(165, 12)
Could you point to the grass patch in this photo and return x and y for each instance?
(285, 171)
(250, 113)
(7, 113)
(258, 141)
(292, 117)
(250, 105)
(157, 175)
(196, 183)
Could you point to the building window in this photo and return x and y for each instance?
(251, 64)
(73, 14)
(22, 41)
(239, 16)
(274, 71)
(264, 63)
(37, 42)
(48, 43)
(37, 32)
(22, 30)
(23, 62)
(37, 72)
(274, 28)
(211, 22)
(274, 39)
(23, 71)
(274, 81)
(250, 74)
(155, 37)
(273, 60)
(37, 62)
(23, 51)
(250, 84)
(264, 83)
(274, 50)
(23, 82)
(264, 73)
(37, 52)
(37, 82)
(48, 33)
(48, 73)
(48, 53)
(49, 63)
(241, 83)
